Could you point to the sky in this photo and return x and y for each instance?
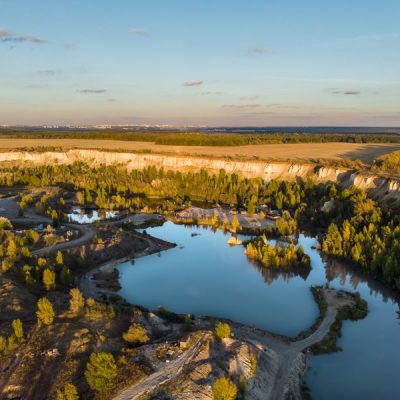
(200, 62)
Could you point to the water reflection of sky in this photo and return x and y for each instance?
(87, 216)
(204, 275)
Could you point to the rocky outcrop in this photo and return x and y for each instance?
(385, 189)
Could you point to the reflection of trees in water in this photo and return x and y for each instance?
(336, 269)
(272, 274)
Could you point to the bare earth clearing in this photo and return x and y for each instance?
(280, 366)
(352, 151)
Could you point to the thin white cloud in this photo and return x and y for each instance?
(5, 33)
(346, 92)
(137, 31)
(249, 97)
(193, 83)
(211, 93)
(241, 106)
(48, 72)
(92, 91)
(378, 37)
(7, 36)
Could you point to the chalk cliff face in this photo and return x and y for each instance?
(382, 188)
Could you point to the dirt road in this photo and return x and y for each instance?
(171, 370)
(285, 361)
(288, 354)
(86, 234)
(9, 209)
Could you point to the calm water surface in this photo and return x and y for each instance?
(203, 275)
(86, 216)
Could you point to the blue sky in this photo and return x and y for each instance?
(202, 62)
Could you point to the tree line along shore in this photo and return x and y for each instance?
(350, 225)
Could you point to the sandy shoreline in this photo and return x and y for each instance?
(89, 284)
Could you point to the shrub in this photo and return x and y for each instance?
(95, 310)
(69, 393)
(12, 343)
(5, 266)
(101, 372)
(32, 236)
(223, 330)
(224, 389)
(253, 365)
(3, 343)
(136, 334)
(26, 253)
(5, 223)
(18, 329)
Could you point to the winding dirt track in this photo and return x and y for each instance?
(287, 354)
(9, 209)
(173, 369)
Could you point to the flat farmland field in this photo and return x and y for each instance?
(337, 151)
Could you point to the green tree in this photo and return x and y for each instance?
(59, 258)
(18, 329)
(3, 344)
(41, 262)
(80, 198)
(12, 343)
(65, 275)
(54, 218)
(5, 266)
(60, 395)
(76, 301)
(101, 372)
(21, 208)
(5, 223)
(49, 279)
(251, 208)
(45, 312)
(224, 389)
(70, 392)
(223, 330)
(235, 224)
(11, 249)
(26, 253)
(136, 334)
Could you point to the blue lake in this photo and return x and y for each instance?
(204, 275)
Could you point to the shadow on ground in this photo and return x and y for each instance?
(367, 153)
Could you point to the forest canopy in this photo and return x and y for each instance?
(356, 228)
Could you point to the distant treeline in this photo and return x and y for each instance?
(204, 139)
